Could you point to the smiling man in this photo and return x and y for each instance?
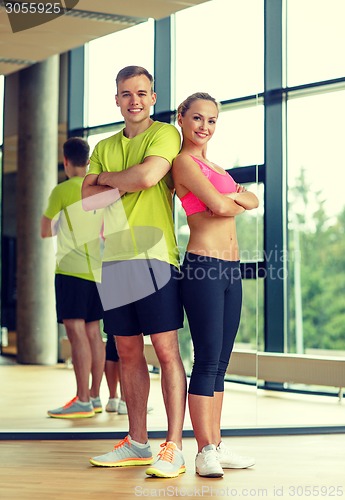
(140, 285)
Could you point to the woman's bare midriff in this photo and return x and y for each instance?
(213, 236)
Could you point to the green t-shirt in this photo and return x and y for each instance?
(140, 225)
(78, 247)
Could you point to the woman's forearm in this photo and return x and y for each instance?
(245, 199)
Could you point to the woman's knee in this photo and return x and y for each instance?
(201, 385)
(205, 368)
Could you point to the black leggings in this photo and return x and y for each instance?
(212, 297)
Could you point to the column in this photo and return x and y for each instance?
(36, 177)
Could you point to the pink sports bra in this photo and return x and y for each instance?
(223, 183)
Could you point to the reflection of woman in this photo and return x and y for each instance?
(211, 285)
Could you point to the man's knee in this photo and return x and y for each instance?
(75, 332)
(167, 352)
(130, 349)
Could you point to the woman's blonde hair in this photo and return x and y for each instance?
(186, 104)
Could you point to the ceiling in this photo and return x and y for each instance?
(86, 20)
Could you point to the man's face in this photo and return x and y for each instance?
(135, 98)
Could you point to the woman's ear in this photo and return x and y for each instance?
(179, 119)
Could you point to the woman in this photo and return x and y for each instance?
(211, 284)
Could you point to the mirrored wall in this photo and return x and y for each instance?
(278, 69)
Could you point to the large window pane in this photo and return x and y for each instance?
(316, 179)
(315, 40)
(219, 49)
(106, 56)
(239, 138)
(250, 228)
(251, 331)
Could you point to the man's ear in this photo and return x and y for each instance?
(117, 100)
(154, 98)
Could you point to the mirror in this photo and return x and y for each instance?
(299, 387)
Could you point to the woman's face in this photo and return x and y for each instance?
(199, 121)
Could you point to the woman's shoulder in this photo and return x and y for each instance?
(182, 164)
(183, 159)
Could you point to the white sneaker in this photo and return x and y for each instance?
(230, 460)
(112, 405)
(207, 462)
(125, 454)
(122, 408)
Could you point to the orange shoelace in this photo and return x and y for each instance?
(122, 443)
(70, 403)
(167, 452)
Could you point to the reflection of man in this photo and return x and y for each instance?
(77, 301)
(140, 248)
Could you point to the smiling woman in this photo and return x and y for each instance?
(211, 286)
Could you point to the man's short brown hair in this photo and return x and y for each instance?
(77, 151)
(130, 72)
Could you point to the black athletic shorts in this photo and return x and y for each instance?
(77, 299)
(140, 297)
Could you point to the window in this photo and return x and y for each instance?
(219, 49)
(316, 176)
(250, 228)
(106, 56)
(315, 40)
(239, 138)
(251, 331)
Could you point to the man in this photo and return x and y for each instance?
(77, 300)
(139, 287)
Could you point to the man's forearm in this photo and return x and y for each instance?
(138, 177)
(126, 181)
(95, 197)
(49, 227)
